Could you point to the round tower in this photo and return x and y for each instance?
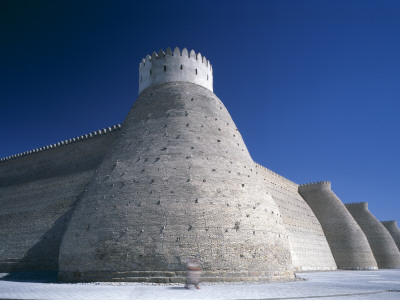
(173, 67)
(383, 246)
(347, 241)
(394, 231)
(177, 184)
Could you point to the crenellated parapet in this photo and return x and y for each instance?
(273, 173)
(363, 205)
(170, 66)
(63, 143)
(389, 223)
(314, 186)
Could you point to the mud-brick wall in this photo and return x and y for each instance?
(383, 246)
(394, 231)
(347, 241)
(178, 184)
(37, 196)
(309, 247)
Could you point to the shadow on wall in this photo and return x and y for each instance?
(40, 263)
(32, 276)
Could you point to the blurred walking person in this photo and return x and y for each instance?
(193, 274)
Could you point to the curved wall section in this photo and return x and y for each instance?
(178, 184)
(347, 241)
(382, 244)
(308, 244)
(394, 231)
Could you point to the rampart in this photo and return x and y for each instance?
(394, 231)
(174, 183)
(38, 191)
(347, 241)
(308, 244)
(386, 253)
(177, 184)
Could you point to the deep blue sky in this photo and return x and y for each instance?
(313, 86)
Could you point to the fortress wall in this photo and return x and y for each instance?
(177, 184)
(347, 241)
(386, 253)
(394, 231)
(309, 247)
(37, 196)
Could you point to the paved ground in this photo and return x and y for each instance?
(382, 284)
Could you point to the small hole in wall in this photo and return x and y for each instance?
(207, 77)
(165, 68)
(196, 71)
(150, 72)
(237, 226)
(181, 67)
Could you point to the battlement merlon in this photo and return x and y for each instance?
(357, 205)
(314, 186)
(170, 66)
(389, 223)
(63, 143)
